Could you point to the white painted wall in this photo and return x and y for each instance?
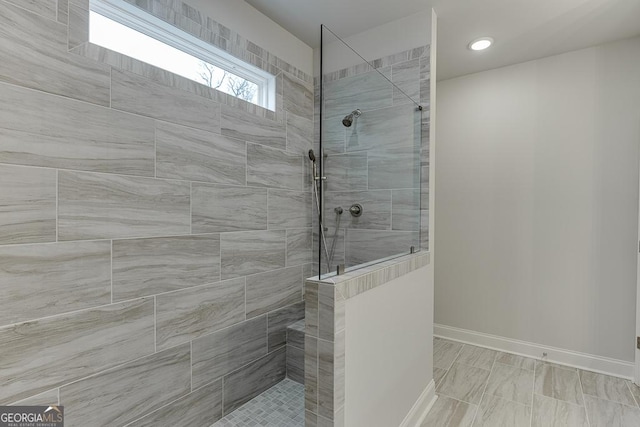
(251, 24)
(537, 200)
(389, 350)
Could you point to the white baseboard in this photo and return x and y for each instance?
(604, 365)
(421, 408)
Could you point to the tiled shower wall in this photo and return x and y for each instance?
(373, 162)
(154, 233)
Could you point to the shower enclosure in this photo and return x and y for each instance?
(371, 133)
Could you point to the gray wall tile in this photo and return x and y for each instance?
(249, 127)
(53, 278)
(398, 168)
(326, 311)
(325, 379)
(406, 210)
(311, 373)
(295, 364)
(199, 408)
(43, 399)
(299, 134)
(185, 315)
(406, 77)
(289, 209)
(311, 309)
(152, 266)
(63, 11)
(252, 252)
(186, 153)
(367, 91)
(45, 64)
(224, 351)
(278, 322)
(273, 290)
(346, 172)
(268, 167)
(220, 208)
(299, 246)
(384, 129)
(296, 333)
(44, 8)
(248, 382)
(75, 346)
(378, 244)
(93, 206)
(298, 97)
(27, 205)
(129, 391)
(130, 92)
(40, 129)
(78, 18)
(376, 206)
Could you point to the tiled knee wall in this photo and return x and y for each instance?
(146, 266)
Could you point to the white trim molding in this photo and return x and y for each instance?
(590, 362)
(421, 408)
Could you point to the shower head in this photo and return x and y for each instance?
(312, 156)
(348, 119)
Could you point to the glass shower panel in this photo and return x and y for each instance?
(369, 174)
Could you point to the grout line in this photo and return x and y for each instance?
(57, 205)
(584, 402)
(111, 247)
(190, 208)
(485, 388)
(155, 325)
(191, 362)
(533, 393)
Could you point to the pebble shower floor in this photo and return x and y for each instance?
(280, 406)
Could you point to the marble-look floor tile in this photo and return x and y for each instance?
(222, 352)
(464, 382)
(152, 266)
(249, 127)
(185, 315)
(279, 320)
(603, 413)
(511, 383)
(252, 252)
(198, 408)
(444, 353)
(559, 383)
(289, 209)
(192, 154)
(495, 411)
(477, 356)
(27, 205)
(75, 346)
(515, 360)
(133, 93)
(269, 167)
(217, 208)
(40, 129)
(129, 391)
(606, 387)
(273, 290)
(95, 206)
(248, 382)
(448, 412)
(41, 280)
(438, 375)
(548, 412)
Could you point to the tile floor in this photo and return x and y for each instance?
(481, 387)
(280, 406)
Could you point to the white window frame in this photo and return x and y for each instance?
(139, 20)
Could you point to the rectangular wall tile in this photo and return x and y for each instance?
(40, 129)
(394, 169)
(298, 97)
(78, 25)
(311, 373)
(27, 205)
(185, 315)
(373, 91)
(279, 320)
(45, 64)
(346, 172)
(311, 309)
(130, 391)
(368, 245)
(268, 167)
(248, 382)
(376, 207)
(326, 379)
(192, 154)
(94, 206)
(384, 129)
(406, 209)
(130, 92)
(249, 127)
(289, 209)
(152, 266)
(406, 78)
(53, 278)
(299, 134)
(44, 8)
(326, 311)
(295, 364)
(296, 333)
(43, 399)
(252, 252)
(273, 290)
(74, 345)
(220, 208)
(199, 408)
(299, 246)
(63, 11)
(224, 351)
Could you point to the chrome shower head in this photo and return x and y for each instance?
(312, 156)
(348, 119)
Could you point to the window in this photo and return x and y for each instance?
(124, 28)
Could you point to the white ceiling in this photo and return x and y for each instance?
(523, 29)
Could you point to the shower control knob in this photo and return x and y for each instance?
(356, 210)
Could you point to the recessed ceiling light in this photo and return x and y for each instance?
(481, 43)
